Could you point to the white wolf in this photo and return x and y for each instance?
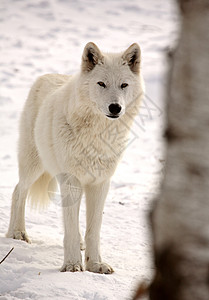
(66, 129)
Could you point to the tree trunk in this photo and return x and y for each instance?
(180, 218)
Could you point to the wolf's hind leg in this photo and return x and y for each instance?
(17, 220)
(29, 172)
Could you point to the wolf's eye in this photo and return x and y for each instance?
(124, 85)
(101, 84)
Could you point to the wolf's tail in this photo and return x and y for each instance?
(38, 194)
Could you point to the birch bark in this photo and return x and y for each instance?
(181, 216)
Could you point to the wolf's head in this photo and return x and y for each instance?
(114, 80)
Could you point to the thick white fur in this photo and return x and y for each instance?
(65, 130)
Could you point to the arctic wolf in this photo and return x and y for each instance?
(65, 131)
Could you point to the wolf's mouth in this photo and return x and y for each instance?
(113, 117)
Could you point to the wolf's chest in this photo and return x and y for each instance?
(93, 152)
(101, 143)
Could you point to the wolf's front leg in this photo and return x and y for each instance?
(71, 198)
(95, 198)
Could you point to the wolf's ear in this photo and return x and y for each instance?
(91, 57)
(132, 56)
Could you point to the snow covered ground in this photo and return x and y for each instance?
(38, 37)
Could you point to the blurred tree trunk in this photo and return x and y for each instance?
(181, 216)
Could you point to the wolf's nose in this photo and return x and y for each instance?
(114, 108)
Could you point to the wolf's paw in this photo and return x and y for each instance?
(98, 267)
(72, 267)
(19, 235)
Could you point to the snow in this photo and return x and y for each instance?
(38, 37)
